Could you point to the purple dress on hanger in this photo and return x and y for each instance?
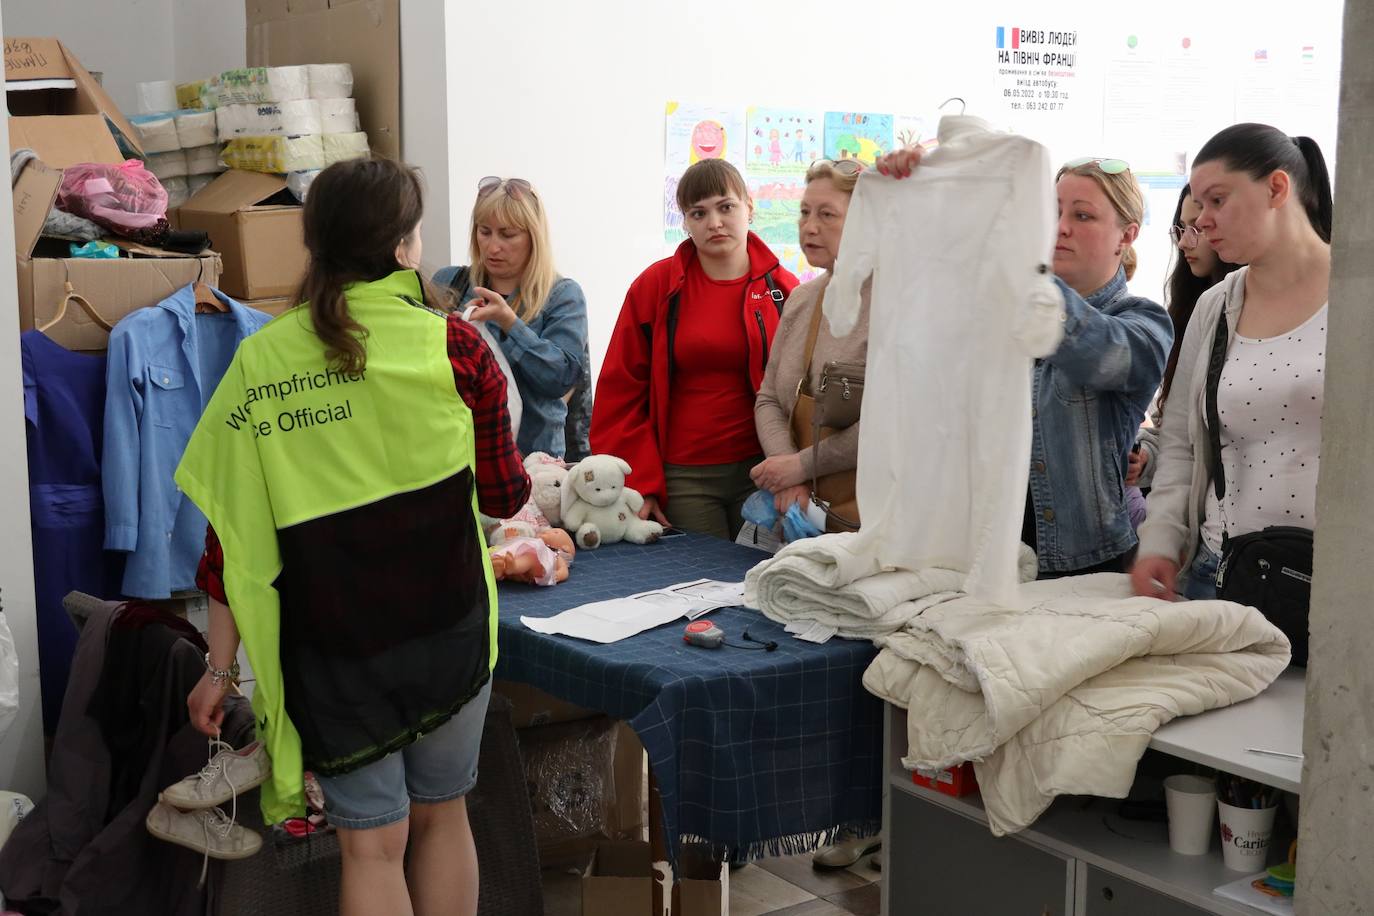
(64, 410)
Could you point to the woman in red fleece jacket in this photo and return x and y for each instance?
(675, 397)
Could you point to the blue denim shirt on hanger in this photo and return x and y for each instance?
(1088, 399)
(164, 363)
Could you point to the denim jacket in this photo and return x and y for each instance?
(547, 358)
(1088, 399)
(164, 363)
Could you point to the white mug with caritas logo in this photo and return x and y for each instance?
(1245, 836)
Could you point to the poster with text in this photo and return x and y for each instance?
(693, 133)
(857, 135)
(1038, 90)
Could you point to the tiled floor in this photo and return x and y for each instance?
(772, 887)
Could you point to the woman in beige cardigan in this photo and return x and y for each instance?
(791, 459)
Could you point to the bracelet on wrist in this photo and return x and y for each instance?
(222, 677)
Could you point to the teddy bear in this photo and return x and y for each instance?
(599, 509)
(542, 511)
(540, 560)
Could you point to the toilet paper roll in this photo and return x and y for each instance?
(191, 96)
(298, 183)
(168, 165)
(338, 116)
(204, 160)
(157, 133)
(196, 128)
(153, 97)
(300, 118)
(178, 191)
(274, 154)
(251, 85)
(293, 119)
(196, 183)
(330, 81)
(342, 147)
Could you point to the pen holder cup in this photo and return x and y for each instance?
(1245, 836)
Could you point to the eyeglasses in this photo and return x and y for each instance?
(515, 187)
(1108, 166)
(1185, 236)
(843, 166)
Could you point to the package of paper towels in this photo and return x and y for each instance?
(204, 160)
(196, 128)
(330, 81)
(293, 119)
(342, 147)
(338, 116)
(157, 96)
(251, 85)
(156, 133)
(274, 154)
(168, 165)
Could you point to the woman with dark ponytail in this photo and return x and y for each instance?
(1264, 200)
(341, 463)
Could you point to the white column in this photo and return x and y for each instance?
(425, 61)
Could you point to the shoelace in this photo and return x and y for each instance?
(212, 820)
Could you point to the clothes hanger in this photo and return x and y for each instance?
(954, 98)
(207, 303)
(83, 303)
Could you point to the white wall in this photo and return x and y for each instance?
(571, 96)
(424, 123)
(21, 750)
(211, 37)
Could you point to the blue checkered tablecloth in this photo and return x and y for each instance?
(759, 752)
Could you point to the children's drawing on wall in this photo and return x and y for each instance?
(791, 258)
(693, 133)
(777, 208)
(857, 135)
(911, 130)
(782, 141)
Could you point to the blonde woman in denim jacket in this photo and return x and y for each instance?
(1090, 395)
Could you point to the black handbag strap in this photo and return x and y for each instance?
(1215, 364)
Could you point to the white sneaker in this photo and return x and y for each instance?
(228, 774)
(207, 830)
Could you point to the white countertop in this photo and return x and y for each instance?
(1219, 738)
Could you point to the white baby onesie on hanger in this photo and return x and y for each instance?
(963, 301)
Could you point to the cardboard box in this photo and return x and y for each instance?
(34, 193)
(272, 307)
(363, 33)
(261, 244)
(531, 706)
(114, 287)
(58, 109)
(703, 883)
(957, 781)
(619, 881)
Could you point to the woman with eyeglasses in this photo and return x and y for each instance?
(1197, 268)
(1090, 395)
(1264, 201)
(675, 396)
(802, 346)
(539, 317)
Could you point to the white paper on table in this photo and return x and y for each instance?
(612, 620)
(1242, 891)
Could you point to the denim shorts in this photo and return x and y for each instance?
(1199, 581)
(440, 766)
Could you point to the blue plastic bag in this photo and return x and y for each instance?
(760, 510)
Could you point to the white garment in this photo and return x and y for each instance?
(515, 405)
(962, 301)
(1269, 400)
(1060, 694)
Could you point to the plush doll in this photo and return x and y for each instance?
(544, 508)
(599, 509)
(541, 560)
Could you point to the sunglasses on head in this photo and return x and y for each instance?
(515, 187)
(1107, 166)
(843, 166)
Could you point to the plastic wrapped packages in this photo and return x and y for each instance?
(298, 183)
(196, 183)
(330, 81)
(168, 165)
(342, 147)
(274, 154)
(338, 116)
(191, 96)
(160, 95)
(126, 198)
(252, 85)
(293, 119)
(196, 128)
(178, 191)
(570, 770)
(157, 133)
(204, 160)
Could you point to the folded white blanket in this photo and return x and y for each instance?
(823, 579)
(1061, 695)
